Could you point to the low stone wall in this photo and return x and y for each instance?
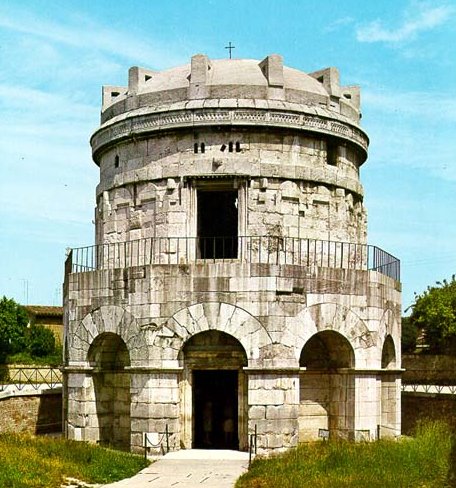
(419, 406)
(429, 369)
(34, 413)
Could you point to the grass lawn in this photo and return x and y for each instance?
(27, 461)
(424, 461)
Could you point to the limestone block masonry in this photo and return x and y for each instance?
(231, 289)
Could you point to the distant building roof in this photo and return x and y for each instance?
(44, 310)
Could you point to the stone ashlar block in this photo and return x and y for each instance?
(257, 412)
(266, 397)
(282, 412)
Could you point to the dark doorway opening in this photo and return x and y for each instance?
(217, 224)
(215, 409)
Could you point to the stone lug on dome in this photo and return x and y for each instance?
(198, 77)
(111, 94)
(329, 78)
(137, 78)
(272, 68)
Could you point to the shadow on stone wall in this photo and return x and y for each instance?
(49, 415)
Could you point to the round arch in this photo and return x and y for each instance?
(219, 316)
(108, 319)
(389, 326)
(388, 353)
(327, 350)
(330, 317)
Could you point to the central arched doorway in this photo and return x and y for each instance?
(215, 393)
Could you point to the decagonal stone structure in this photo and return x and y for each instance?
(231, 289)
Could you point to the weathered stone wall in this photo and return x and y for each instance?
(418, 407)
(429, 369)
(34, 414)
(271, 313)
(292, 191)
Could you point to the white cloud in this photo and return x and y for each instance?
(440, 107)
(421, 17)
(338, 23)
(412, 130)
(84, 33)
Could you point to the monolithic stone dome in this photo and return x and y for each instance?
(313, 102)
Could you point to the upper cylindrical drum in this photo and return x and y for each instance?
(234, 147)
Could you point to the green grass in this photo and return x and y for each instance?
(32, 462)
(25, 358)
(424, 461)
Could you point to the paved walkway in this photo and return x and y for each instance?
(190, 469)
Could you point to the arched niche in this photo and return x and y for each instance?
(327, 350)
(109, 357)
(390, 390)
(388, 353)
(327, 387)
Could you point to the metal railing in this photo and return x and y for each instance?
(25, 378)
(253, 444)
(429, 389)
(160, 442)
(262, 250)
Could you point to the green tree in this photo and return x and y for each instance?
(434, 311)
(41, 341)
(409, 335)
(13, 327)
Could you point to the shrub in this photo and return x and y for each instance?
(13, 326)
(41, 341)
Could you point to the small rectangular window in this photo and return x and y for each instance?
(331, 153)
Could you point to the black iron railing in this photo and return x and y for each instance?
(21, 378)
(262, 249)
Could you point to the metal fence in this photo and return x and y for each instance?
(262, 249)
(29, 377)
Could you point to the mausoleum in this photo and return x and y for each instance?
(231, 288)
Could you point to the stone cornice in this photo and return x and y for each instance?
(141, 125)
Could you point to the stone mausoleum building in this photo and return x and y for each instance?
(231, 287)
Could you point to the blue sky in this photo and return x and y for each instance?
(56, 55)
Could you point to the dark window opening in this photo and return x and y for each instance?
(238, 146)
(331, 153)
(347, 95)
(230, 147)
(215, 412)
(115, 94)
(201, 147)
(147, 77)
(116, 161)
(223, 147)
(217, 224)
